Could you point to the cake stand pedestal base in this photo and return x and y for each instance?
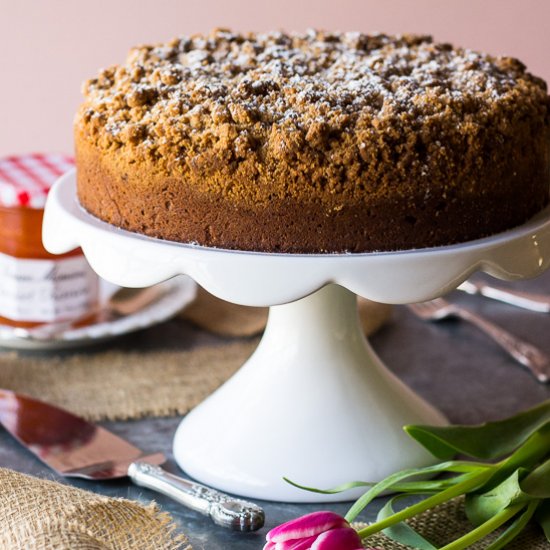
(313, 403)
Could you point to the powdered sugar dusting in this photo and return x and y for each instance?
(167, 93)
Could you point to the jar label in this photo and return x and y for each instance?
(46, 290)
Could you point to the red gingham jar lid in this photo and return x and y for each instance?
(26, 179)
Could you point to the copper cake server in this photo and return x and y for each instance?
(74, 447)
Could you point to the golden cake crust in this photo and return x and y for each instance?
(319, 142)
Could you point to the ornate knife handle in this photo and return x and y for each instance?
(224, 510)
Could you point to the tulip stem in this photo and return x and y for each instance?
(472, 482)
(484, 529)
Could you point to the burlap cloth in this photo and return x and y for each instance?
(44, 515)
(119, 384)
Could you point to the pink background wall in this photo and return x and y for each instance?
(48, 47)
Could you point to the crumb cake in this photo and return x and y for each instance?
(312, 143)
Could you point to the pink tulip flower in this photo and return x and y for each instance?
(316, 531)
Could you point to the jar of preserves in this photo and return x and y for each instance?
(37, 287)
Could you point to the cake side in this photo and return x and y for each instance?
(134, 197)
(313, 143)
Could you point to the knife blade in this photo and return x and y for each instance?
(74, 447)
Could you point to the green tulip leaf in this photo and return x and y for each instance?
(425, 486)
(402, 532)
(486, 441)
(543, 518)
(392, 480)
(482, 507)
(537, 483)
(333, 490)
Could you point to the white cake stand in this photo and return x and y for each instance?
(313, 403)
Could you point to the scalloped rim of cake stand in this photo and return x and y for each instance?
(265, 279)
(313, 402)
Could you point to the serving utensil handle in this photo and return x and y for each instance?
(224, 510)
(518, 298)
(536, 361)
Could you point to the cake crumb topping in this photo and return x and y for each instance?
(357, 100)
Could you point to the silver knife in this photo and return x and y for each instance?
(74, 447)
(525, 300)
